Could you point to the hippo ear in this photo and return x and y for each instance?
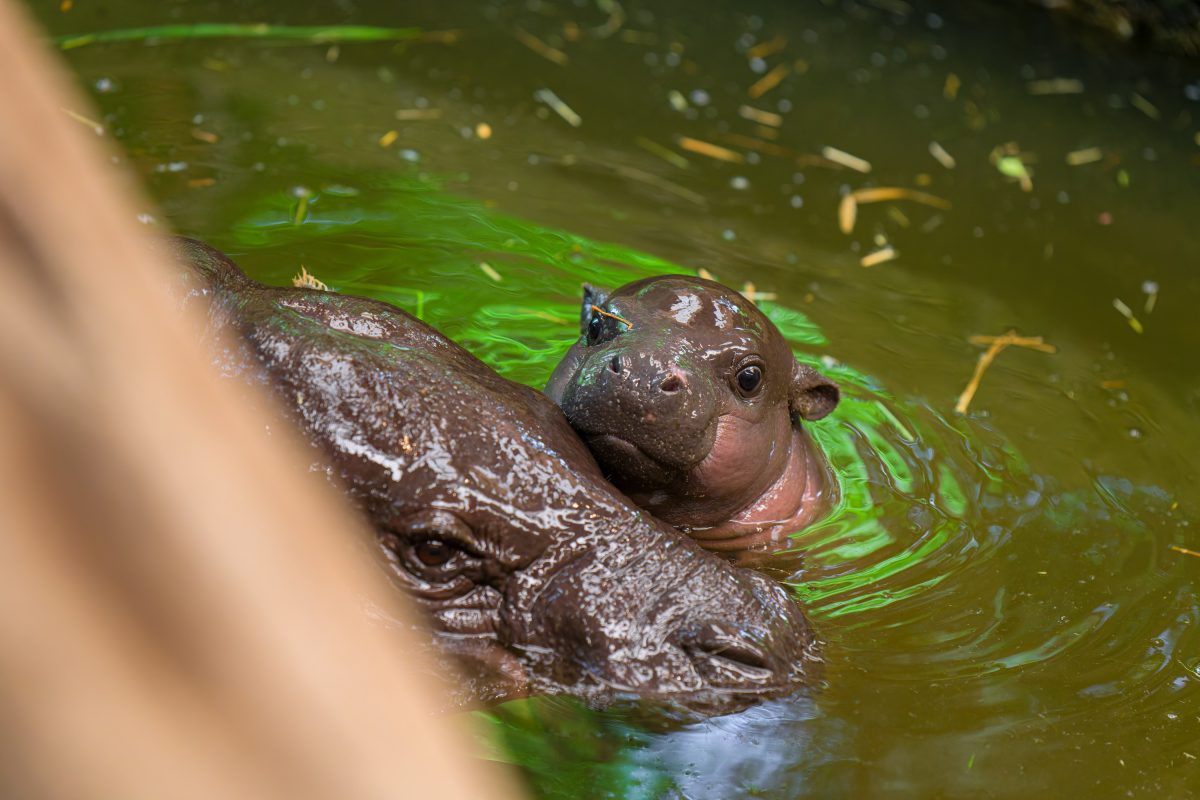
(812, 395)
(591, 297)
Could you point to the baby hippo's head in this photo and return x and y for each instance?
(689, 397)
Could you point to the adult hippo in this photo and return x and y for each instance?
(692, 402)
(491, 514)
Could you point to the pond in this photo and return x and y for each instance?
(1008, 596)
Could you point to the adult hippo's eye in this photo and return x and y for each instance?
(749, 380)
(434, 553)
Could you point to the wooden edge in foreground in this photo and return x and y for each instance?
(183, 611)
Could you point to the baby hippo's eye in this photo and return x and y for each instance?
(749, 380)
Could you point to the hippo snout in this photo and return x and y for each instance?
(646, 382)
(640, 407)
(682, 628)
(672, 381)
(669, 380)
(722, 654)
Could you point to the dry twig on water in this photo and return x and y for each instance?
(711, 150)
(769, 81)
(551, 54)
(306, 280)
(996, 344)
(611, 315)
(848, 207)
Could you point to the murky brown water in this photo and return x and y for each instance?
(1004, 611)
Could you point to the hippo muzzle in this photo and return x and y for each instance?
(675, 627)
(646, 417)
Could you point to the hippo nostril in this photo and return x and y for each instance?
(617, 364)
(718, 641)
(671, 384)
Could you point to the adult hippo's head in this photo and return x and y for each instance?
(533, 571)
(691, 401)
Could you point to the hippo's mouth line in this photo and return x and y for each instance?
(594, 438)
(623, 460)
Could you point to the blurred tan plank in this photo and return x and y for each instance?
(183, 608)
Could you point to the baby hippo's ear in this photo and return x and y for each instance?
(812, 395)
(591, 297)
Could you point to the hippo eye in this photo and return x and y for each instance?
(433, 553)
(749, 380)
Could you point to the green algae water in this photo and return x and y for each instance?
(1008, 597)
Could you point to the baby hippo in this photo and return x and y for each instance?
(691, 400)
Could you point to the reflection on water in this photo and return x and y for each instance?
(1004, 614)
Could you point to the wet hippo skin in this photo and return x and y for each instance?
(534, 573)
(692, 402)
